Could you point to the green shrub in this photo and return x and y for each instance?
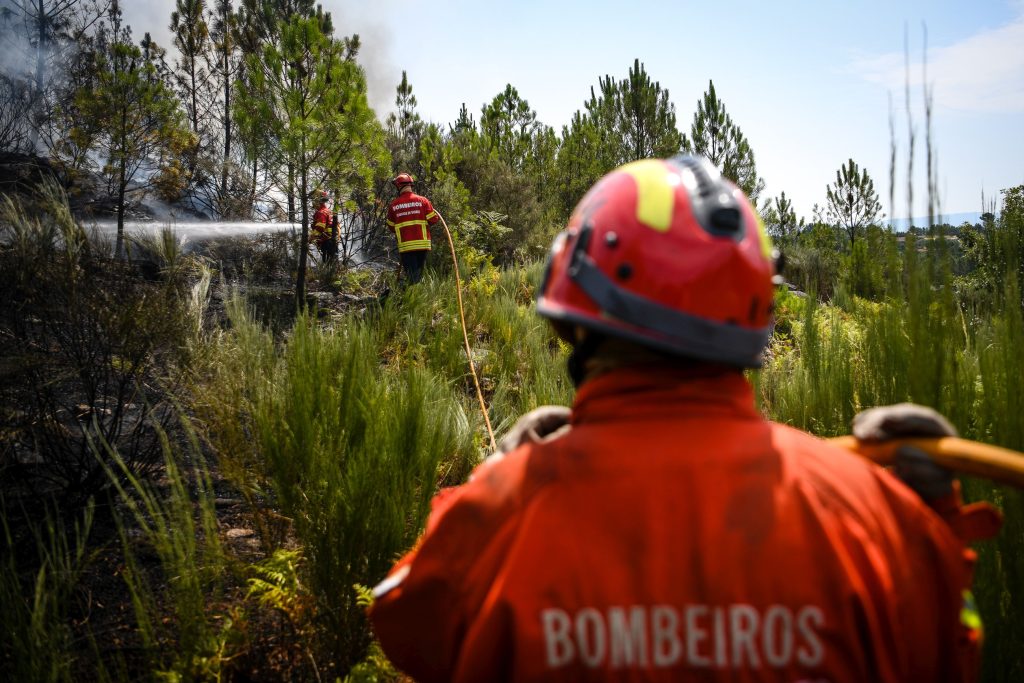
(917, 346)
(348, 451)
(346, 431)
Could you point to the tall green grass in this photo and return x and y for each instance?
(37, 595)
(181, 637)
(919, 343)
(345, 432)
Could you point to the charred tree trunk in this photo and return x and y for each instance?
(300, 280)
(291, 191)
(38, 99)
(227, 122)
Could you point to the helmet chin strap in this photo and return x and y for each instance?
(582, 351)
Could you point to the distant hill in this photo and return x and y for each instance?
(901, 224)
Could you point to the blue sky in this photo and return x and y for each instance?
(808, 82)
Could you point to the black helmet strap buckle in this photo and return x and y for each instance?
(713, 203)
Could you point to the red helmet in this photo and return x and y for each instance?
(323, 196)
(670, 255)
(401, 180)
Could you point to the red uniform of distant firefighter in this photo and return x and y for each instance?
(324, 233)
(662, 529)
(410, 216)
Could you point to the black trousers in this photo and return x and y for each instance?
(412, 264)
(328, 251)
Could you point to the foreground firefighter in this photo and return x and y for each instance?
(663, 530)
(410, 215)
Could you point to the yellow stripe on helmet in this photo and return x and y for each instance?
(655, 198)
(767, 248)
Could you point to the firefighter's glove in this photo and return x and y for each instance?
(916, 469)
(534, 427)
(934, 483)
(913, 466)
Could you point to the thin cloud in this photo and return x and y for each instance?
(982, 73)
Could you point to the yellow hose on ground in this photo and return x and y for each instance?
(465, 335)
(959, 455)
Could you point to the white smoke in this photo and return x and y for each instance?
(17, 56)
(367, 19)
(370, 20)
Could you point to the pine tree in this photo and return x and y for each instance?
(464, 123)
(194, 80)
(541, 162)
(224, 69)
(191, 75)
(852, 202)
(308, 91)
(579, 160)
(129, 115)
(645, 118)
(780, 218)
(507, 125)
(622, 121)
(602, 127)
(405, 128)
(259, 25)
(714, 135)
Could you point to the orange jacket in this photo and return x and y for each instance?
(410, 216)
(674, 534)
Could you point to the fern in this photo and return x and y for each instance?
(277, 585)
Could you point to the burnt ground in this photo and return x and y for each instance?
(95, 608)
(259, 643)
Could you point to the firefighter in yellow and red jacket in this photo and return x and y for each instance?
(410, 216)
(325, 230)
(662, 530)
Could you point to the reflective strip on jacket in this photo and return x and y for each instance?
(323, 226)
(674, 534)
(409, 216)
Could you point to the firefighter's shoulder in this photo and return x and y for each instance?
(813, 463)
(497, 489)
(839, 483)
(499, 479)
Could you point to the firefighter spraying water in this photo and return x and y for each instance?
(662, 529)
(325, 233)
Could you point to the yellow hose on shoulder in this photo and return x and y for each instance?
(959, 455)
